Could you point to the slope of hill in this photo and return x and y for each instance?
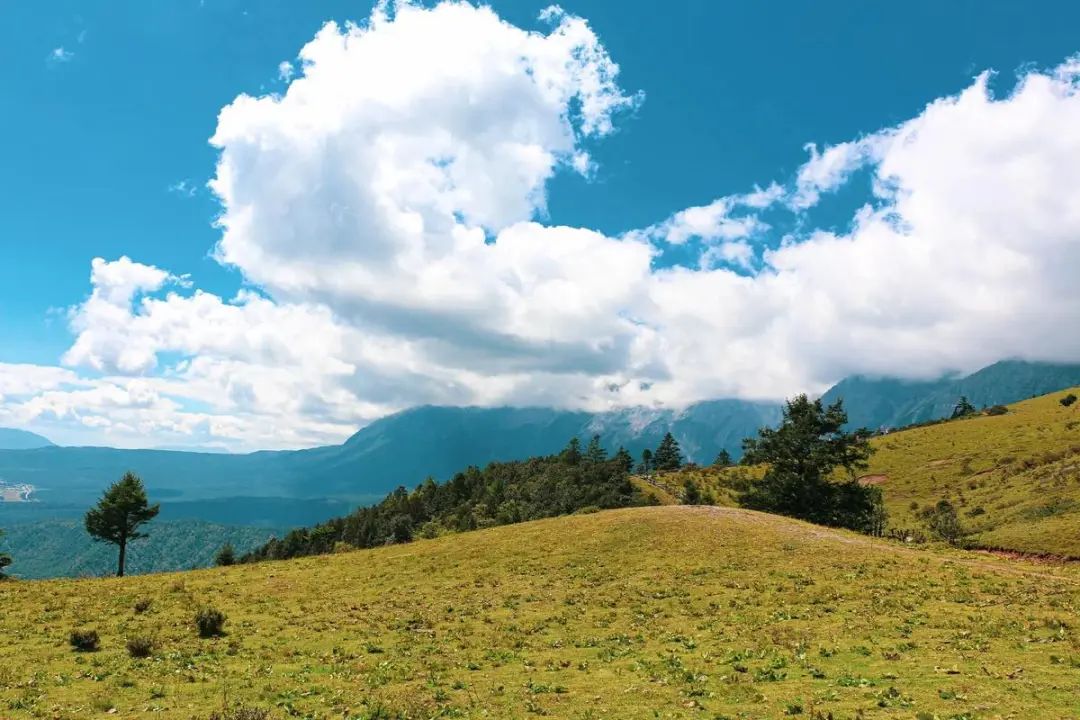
(1014, 478)
(57, 548)
(655, 612)
(884, 402)
(12, 439)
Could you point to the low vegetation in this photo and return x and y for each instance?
(499, 494)
(1012, 479)
(672, 612)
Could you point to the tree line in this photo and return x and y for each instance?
(810, 460)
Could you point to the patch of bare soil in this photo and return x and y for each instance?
(872, 479)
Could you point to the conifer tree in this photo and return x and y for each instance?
(723, 459)
(646, 466)
(963, 408)
(572, 453)
(625, 459)
(595, 452)
(668, 455)
(117, 517)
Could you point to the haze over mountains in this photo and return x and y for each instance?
(282, 489)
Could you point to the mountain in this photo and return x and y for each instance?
(401, 449)
(885, 402)
(12, 439)
(57, 548)
(674, 612)
(404, 448)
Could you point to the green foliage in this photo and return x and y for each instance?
(210, 622)
(225, 556)
(723, 459)
(140, 647)
(625, 459)
(5, 560)
(995, 410)
(692, 493)
(499, 494)
(241, 713)
(1068, 400)
(943, 522)
(595, 452)
(647, 463)
(117, 517)
(963, 408)
(84, 640)
(802, 455)
(668, 455)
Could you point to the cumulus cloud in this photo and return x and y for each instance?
(388, 212)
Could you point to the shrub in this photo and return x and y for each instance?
(210, 622)
(225, 556)
(140, 647)
(1068, 400)
(943, 522)
(241, 713)
(997, 410)
(85, 640)
(587, 510)
(142, 605)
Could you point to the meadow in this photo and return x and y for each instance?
(660, 612)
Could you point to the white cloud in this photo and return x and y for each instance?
(387, 208)
(285, 70)
(184, 187)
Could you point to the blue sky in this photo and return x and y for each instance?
(110, 107)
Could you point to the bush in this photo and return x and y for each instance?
(1068, 400)
(997, 410)
(241, 713)
(225, 556)
(943, 522)
(210, 622)
(85, 640)
(142, 605)
(140, 647)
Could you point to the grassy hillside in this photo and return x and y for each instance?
(1014, 478)
(669, 612)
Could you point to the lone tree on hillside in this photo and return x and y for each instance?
(117, 517)
(1067, 400)
(647, 463)
(225, 556)
(963, 408)
(802, 455)
(668, 455)
(723, 459)
(5, 560)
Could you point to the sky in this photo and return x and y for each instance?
(242, 225)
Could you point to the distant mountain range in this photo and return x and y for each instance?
(12, 439)
(286, 488)
(215, 497)
(888, 403)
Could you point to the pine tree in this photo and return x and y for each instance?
(668, 455)
(572, 453)
(723, 459)
(595, 452)
(646, 466)
(963, 408)
(117, 517)
(625, 459)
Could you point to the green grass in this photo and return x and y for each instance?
(1014, 478)
(663, 612)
